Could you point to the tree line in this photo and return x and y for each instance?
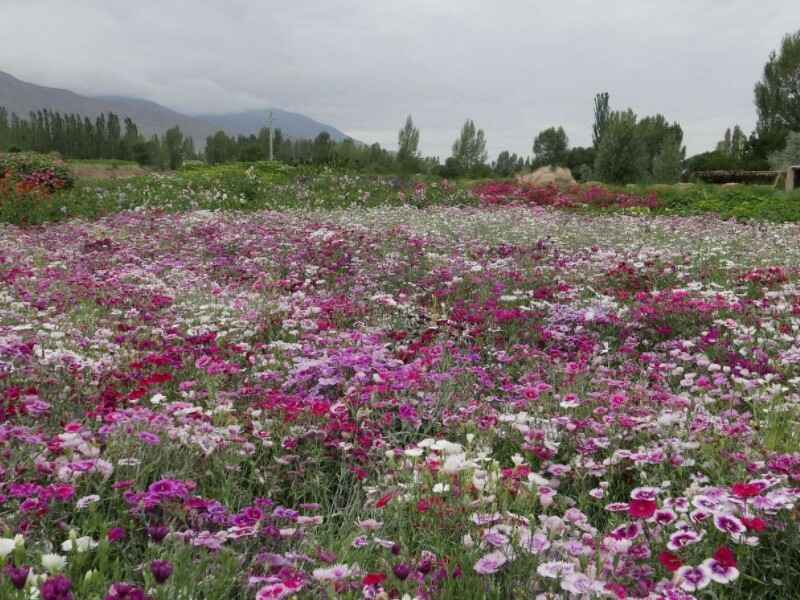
(105, 137)
(624, 149)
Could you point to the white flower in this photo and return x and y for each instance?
(8, 545)
(86, 501)
(81, 544)
(335, 572)
(54, 563)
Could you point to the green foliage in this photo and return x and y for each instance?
(667, 164)
(508, 164)
(621, 154)
(233, 186)
(654, 133)
(742, 202)
(777, 95)
(580, 158)
(789, 156)
(469, 150)
(584, 173)
(550, 147)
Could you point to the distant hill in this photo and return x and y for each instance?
(22, 97)
(293, 125)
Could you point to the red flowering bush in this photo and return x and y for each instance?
(26, 173)
(513, 193)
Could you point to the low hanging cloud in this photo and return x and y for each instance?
(515, 66)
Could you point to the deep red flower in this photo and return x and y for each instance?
(373, 579)
(384, 500)
(746, 490)
(670, 561)
(725, 556)
(754, 524)
(642, 509)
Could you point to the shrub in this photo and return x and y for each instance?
(30, 172)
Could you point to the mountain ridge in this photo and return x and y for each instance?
(22, 97)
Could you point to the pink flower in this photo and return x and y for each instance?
(281, 589)
(490, 563)
(681, 539)
(692, 579)
(719, 572)
(729, 524)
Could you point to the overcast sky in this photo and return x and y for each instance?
(514, 66)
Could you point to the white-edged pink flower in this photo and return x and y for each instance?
(729, 524)
(692, 579)
(580, 584)
(555, 569)
(490, 563)
(719, 572)
(535, 543)
(683, 538)
(645, 493)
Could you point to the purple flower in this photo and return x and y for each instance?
(56, 588)
(116, 534)
(157, 533)
(17, 575)
(161, 570)
(401, 571)
(125, 591)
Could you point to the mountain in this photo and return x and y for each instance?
(293, 125)
(22, 97)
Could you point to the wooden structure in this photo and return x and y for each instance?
(762, 177)
(792, 178)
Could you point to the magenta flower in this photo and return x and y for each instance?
(116, 534)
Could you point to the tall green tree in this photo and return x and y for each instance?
(550, 147)
(621, 155)
(173, 146)
(601, 114)
(777, 95)
(469, 150)
(408, 144)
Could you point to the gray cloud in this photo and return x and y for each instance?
(514, 66)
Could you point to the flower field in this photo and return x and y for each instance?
(497, 400)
